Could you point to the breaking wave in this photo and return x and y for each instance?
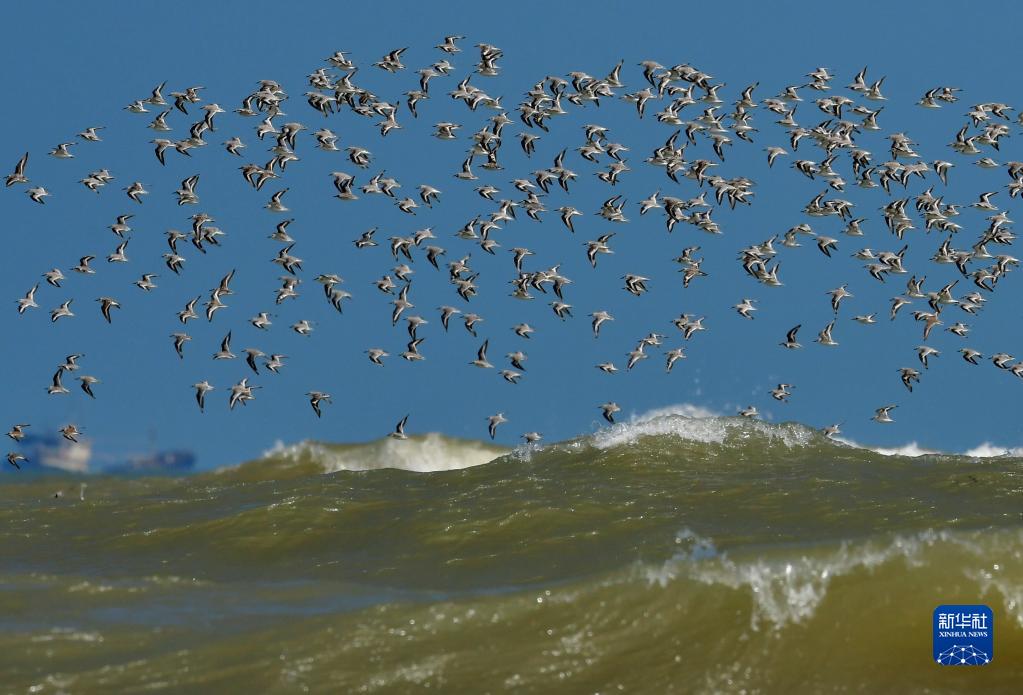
(427, 453)
(664, 554)
(674, 426)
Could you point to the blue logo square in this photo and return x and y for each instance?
(963, 635)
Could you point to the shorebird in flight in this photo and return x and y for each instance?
(599, 317)
(70, 433)
(201, 389)
(908, 376)
(106, 304)
(745, 308)
(831, 431)
(57, 387)
(87, 382)
(18, 175)
(179, 343)
(493, 421)
(881, 414)
(790, 338)
(241, 393)
(17, 432)
(824, 337)
(29, 300)
(399, 429)
(64, 310)
(817, 148)
(673, 356)
(608, 410)
(38, 194)
(970, 355)
(481, 356)
(317, 397)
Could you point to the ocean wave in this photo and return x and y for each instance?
(694, 423)
(703, 548)
(428, 453)
(987, 450)
(704, 430)
(690, 410)
(787, 586)
(671, 428)
(913, 449)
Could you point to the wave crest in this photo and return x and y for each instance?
(788, 588)
(674, 430)
(422, 454)
(703, 430)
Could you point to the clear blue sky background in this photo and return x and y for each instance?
(73, 66)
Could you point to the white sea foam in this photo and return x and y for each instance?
(697, 423)
(1012, 592)
(684, 421)
(684, 409)
(783, 591)
(910, 449)
(789, 590)
(676, 421)
(985, 450)
(428, 453)
(67, 634)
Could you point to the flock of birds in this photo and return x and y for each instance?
(693, 112)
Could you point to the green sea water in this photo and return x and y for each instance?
(669, 556)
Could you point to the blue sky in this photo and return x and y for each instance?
(83, 69)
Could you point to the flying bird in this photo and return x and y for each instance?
(317, 397)
(399, 429)
(608, 410)
(518, 193)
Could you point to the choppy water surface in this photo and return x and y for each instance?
(674, 555)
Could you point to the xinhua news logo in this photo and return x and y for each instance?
(963, 635)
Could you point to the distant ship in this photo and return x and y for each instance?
(51, 451)
(56, 453)
(160, 463)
